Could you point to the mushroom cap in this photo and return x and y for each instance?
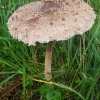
(31, 23)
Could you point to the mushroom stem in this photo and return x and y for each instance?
(48, 59)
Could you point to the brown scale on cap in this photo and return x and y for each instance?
(48, 6)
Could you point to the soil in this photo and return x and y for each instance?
(13, 91)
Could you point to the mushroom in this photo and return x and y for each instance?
(46, 21)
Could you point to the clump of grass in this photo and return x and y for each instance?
(75, 65)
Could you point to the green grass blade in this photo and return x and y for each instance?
(7, 79)
(61, 86)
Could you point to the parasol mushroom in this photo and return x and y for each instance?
(46, 21)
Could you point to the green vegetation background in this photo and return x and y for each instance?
(75, 63)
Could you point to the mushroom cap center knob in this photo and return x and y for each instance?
(48, 6)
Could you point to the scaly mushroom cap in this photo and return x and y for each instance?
(47, 21)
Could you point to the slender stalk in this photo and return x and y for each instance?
(48, 59)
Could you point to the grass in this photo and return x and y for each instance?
(75, 64)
